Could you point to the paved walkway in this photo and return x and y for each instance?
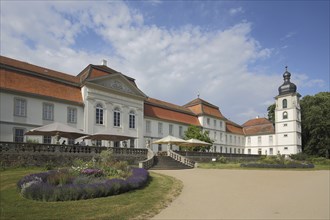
(250, 194)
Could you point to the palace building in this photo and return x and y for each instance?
(100, 98)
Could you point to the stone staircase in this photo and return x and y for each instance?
(162, 162)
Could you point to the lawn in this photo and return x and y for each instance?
(138, 204)
(217, 165)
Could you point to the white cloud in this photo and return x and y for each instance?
(234, 11)
(172, 65)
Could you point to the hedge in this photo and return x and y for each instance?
(260, 165)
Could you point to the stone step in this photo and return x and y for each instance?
(167, 163)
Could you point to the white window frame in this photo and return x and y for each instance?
(148, 126)
(20, 136)
(99, 114)
(20, 105)
(72, 115)
(116, 117)
(132, 119)
(48, 111)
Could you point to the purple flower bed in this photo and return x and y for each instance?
(92, 172)
(35, 186)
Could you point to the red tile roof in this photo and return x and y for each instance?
(202, 107)
(30, 84)
(234, 128)
(166, 111)
(258, 126)
(6, 61)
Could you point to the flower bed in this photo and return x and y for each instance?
(61, 186)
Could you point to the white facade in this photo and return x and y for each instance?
(113, 102)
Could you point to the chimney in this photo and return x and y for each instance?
(104, 62)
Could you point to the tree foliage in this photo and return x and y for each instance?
(315, 114)
(197, 133)
(271, 113)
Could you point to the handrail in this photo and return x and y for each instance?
(180, 158)
(149, 162)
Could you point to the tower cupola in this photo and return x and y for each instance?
(287, 87)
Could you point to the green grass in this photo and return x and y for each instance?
(138, 204)
(215, 165)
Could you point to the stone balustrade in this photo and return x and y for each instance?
(149, 162)
(11, 147)
(180, 158)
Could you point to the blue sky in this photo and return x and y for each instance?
(232, 53)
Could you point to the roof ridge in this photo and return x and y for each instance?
(168, 105)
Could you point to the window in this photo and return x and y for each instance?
(131, 143)
(180, 131)
(48, 112)
(270, 140)
(208, 121)
(116, 117)
(230, 139)
(148, 126)
(259, 151)
(215, 123)
(259, 140)
(285, 115)
(284, 125)
(132, 119)
(19, 135)
(285, 135)
(249, 151)
(20, 107)
(72, 115)
(221, 137)
(221, 149)
(70, 141)
(285, 148)
(99, 114)
(116, 144)
(249, 141)
(220, 124)
(170, 129)
(215, 135)
(99, 143)
(239, 151)
(47, 140)
(285, 103)
(160, 128)
(270, 151)
(234, 150)
(234, 139)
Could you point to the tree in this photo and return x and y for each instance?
(271, 113)
(315, 116)
(197, 133)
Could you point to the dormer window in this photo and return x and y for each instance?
(285, 103)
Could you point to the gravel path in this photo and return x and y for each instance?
(250, 194)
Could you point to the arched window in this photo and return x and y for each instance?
(285, 115)
(116, 117)
(99, 114)
(131, 119)
(285, 103)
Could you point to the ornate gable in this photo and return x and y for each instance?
(118, 83)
